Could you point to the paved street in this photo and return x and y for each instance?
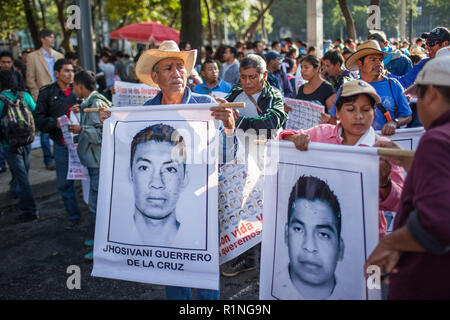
(35, 255)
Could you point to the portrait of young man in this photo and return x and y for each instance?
(158, 175)
(312, 235)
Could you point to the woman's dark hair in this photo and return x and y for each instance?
(312, 60)
(341, 100)
(8, 81)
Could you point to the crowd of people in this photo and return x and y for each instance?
(361, 86)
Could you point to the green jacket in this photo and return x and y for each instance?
(90, 139)
(272, 117)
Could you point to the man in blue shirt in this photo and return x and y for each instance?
(394, 110)
(168, 69)
(212, 85)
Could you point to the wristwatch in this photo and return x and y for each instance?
(396, 122)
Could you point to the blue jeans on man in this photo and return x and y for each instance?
(2, 159)
(182, 293)
(65, 187)
(93, 190)
(18, 160)
(46, 150)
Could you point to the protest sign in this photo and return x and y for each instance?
(132, 94)
(76, 170)
(157, 214)
(240, 208)
(407, 138)
(304, 114)
(320, 222)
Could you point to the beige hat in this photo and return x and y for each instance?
(167, 49)
(355, 87)
(364, 49)
(435, 72)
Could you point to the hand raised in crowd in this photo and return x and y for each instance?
(287, 108)
(103, 113)
(75, 128)
(226, 115)
(389, 128)
(301, 141)
(401, 161)
(75, 108)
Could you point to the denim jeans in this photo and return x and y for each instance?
(19, 163)
(2, 158)
(93, 190)
(182, 293)
(45, 145)
(65, 187)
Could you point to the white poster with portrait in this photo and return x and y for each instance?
(304, 114)
(132, 94)
(157, 209)
(320, 222)
(407, 138)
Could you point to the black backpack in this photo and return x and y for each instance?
(16, 122)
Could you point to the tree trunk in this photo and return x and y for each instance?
(44, 21)
(348, 19)
(62, 21)
(101, 18)
(32, 23)
(191, 25)
(250, 33)
(210, 29)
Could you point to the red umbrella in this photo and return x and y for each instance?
(146, 32)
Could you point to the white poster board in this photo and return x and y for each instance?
(407, 138)
(157, 214)
(304, 114)
(310, 249)
(132, 94)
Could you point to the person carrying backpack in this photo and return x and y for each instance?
(16, 135)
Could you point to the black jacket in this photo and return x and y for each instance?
(51, 104)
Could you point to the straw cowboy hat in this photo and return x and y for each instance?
(355, 87)
(364, 49)
(167, 49)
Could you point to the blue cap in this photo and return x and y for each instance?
(271, 56)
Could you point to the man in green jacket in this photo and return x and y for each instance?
(90, 134)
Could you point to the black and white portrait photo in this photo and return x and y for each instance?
(319, 224)
(154, 200)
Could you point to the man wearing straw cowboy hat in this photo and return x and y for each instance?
(168, 68)
(394, 110)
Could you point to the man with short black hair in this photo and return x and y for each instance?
(212, 84)
(336, 74)
(7, 64)
(276, 76)
(54, 101)
(229, 71)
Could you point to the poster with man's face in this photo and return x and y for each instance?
(322, 220)
(157, 211)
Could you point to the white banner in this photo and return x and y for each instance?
(304, 114)
(132, 94)
(407, 138)
(76, 170)
(240, 208)
(320, 222)
(157, 206)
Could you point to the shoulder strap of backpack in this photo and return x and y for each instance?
(393, 97)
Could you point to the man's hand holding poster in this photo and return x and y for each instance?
(157, 218)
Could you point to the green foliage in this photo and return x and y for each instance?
(13, 17)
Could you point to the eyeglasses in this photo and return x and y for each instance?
(432, 43)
